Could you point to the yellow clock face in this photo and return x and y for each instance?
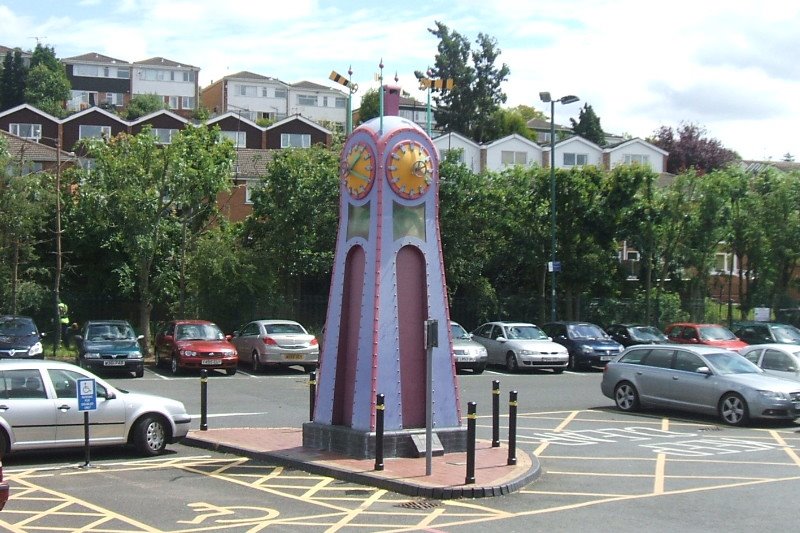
(358, 170)
(410, 170)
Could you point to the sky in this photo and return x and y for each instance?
(725, 66)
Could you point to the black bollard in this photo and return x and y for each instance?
(472, 418)
(495, 414)
(512, 428)
(312, 393)
(203, 399)
(379, 411)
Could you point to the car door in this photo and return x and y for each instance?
(688, 388)
(27, 409)
(488, 334)
(245, 342)
(654, 376)
(778, 363)
(106, 423)
(165, 342)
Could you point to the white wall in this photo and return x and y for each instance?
(513, 143)
(471, 152)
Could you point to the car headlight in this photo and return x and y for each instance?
(188, 353)
(91, 355)
(482, 352)
(229, 352)
(135, 355)
(36, 349)
(773, 395)
(527, 352)
(586, 349)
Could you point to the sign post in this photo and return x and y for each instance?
(87, 401)
(431, 342)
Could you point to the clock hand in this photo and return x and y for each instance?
(360, 176)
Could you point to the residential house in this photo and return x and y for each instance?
(319, 103)
(176, 83)
(511, 150)
(469, 152)
(252, 95)
(33, 156)
(30, 123)
(242, 131)
(574, 151)
(164, 125)
(26, 56)
(98, 80)
(635, 150)
(297, 132)
(90, 124)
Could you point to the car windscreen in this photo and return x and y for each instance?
(277, 329)
(716, 333)
(731, 363)
(458, 332)
(15, 326)
(585, 331)
(199, 332)
(646, 333)
(523, 332)
(785, 333)
(110, 332)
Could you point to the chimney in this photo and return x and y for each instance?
(391, 100)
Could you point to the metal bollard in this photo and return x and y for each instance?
(379, 412)
(495, 414)
(512, 428)
(312, 393)
(203, 399)
(472, 418)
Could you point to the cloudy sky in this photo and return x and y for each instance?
(726, 66)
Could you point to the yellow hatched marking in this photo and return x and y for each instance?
(564, 423)
(351, 515)
(789, 451)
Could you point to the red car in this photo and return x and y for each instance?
(195, 344)
(708, 334)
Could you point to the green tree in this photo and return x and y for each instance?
(467, 107)
(12, 81)
(588, 126)
(140, 193)
(144, 104)
(47, 89)
(505, 122)
(370, 106)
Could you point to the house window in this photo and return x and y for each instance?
(264, 92)
(26, 131)
(182, 75)
(640, 159)
(187, 102)
(324, 101)
(238, 138)
(572, 159)
(280, 93)
(114, 98)
(90, 71)
(94, 132)
(152, 74)
(508, 157)
(164, 135)
(124, 73)
(173, 102)
(304, 99)
(724, 263)
(632, 256)
(341, 103)
(295, 140)
(248, 90)
(250, 186)
(543, 137)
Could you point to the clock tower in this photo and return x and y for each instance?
(388, 279)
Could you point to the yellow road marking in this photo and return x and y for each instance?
(350, 515)
(789, 451)
(564, 423)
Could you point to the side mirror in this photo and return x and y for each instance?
(703, 370)
(140, 337)
(228, 337)
(469, 336)
(501, 339)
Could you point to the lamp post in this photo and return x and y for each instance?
(554, 266)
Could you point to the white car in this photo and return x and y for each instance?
(39, 409)
(276, 342)
(520, 345)
(467, 354)
(781, 360)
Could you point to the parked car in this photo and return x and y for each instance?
(109, 344)
(630, 334)
(766, 332)
(276, 342)
(4, 489)
(588, 345)
(704, 379)
(467, 354)
(40, 411)
(19, 337)
(782, 360)
(708, 334)
(195, 344)
(520, 345)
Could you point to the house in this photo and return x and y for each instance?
(98, 80)
(635, 150)
(30, 123)
(91, 123)
(164, 125)
(25, 56)
(297, 132)
(511, 150)
(33, 156)
(469, 152)
(319, 103)
(542, 129)
(242, 131)
(574, 151)
(252, 95)
(175, 82)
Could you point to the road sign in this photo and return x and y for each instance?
(87, 395)
(554, 266)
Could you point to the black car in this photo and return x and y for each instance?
(108, 345)
(588, 345)
(19, 337)
(630, 334)
(766, 332)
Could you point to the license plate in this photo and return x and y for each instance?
(293, 356)
(465, 359)
(212, 362)
(606, 357)
(114, 363)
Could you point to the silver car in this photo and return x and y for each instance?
(781, 360)
(276, 342)
(520, 345)
(703, 379)
(467, 354)
(39, 410)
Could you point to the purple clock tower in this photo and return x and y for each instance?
(388, 279)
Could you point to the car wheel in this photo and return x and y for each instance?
(479, 369)
(573, 363)
(150, 435)
(176, 369)
(159, 361)
(256, 362)
(733, 409)
(558, 371)
(511, 362)
(4, 445)
(140, 372)
(230, 371)
(626, 396)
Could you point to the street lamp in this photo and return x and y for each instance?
(554, 266)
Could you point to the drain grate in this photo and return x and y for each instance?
(419, 504)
